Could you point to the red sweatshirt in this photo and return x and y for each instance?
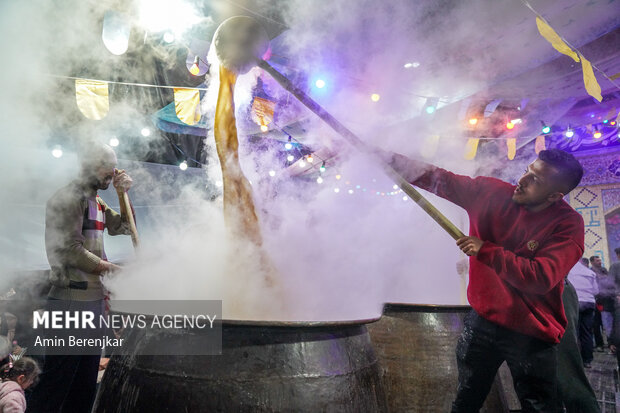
(516, 280)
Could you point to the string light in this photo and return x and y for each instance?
(145, 132)
(510, 125)
(375, 97)
(272, 173)
(168, 37)
(597, 134)
(183, 165)
(473, 121)
(338, 176)
(319, 180)
(350, 192)
(336, 190)
(114, 142)
(320, 83)
(545, 129)
(195, 69)
(288, 145)
(302, 163)
(309, 158)
(431, 105)
(57, 151)
(290, 158)
(569, 133)
(264, 128)
(322, 168)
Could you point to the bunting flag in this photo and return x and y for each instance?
(262, 111)
(589, 80)
(429, 148)
(91, 97)
(540, 144)
(472, 148)
(187, 105)
(556, 41)
(512, 148)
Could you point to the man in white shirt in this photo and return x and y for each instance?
(584, 281)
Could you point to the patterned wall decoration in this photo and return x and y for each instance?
(601, 168)
(598, 202)
(588, 201)
(611, 198)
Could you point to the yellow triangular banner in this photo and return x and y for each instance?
(556, 41)
(187, 105)
(91, 97)
(589, 80)
(540, 144)
(472, 148)
(512, 148)
(429, 148)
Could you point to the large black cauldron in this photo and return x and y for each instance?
(416, 348)
(264, 367)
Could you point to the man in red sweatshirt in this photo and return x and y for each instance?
(523, 241)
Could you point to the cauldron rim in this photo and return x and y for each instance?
(397, 307)
(278, 324)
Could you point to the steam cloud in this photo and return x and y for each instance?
(339, 255)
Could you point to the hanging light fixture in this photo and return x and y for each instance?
(195, 69)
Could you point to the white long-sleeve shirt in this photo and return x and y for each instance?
(584, 281)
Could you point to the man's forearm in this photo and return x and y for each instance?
(104, 267)
(408, 168)
(78, 256)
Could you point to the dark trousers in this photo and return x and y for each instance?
(586, 323)
(573, 385)
(597, 329)
(68, 383)
(482, 348)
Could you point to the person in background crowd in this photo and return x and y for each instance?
(585, 261)
(606, 296)
(586, 286)
(16, 377)
(614, 272)
(576, 393)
